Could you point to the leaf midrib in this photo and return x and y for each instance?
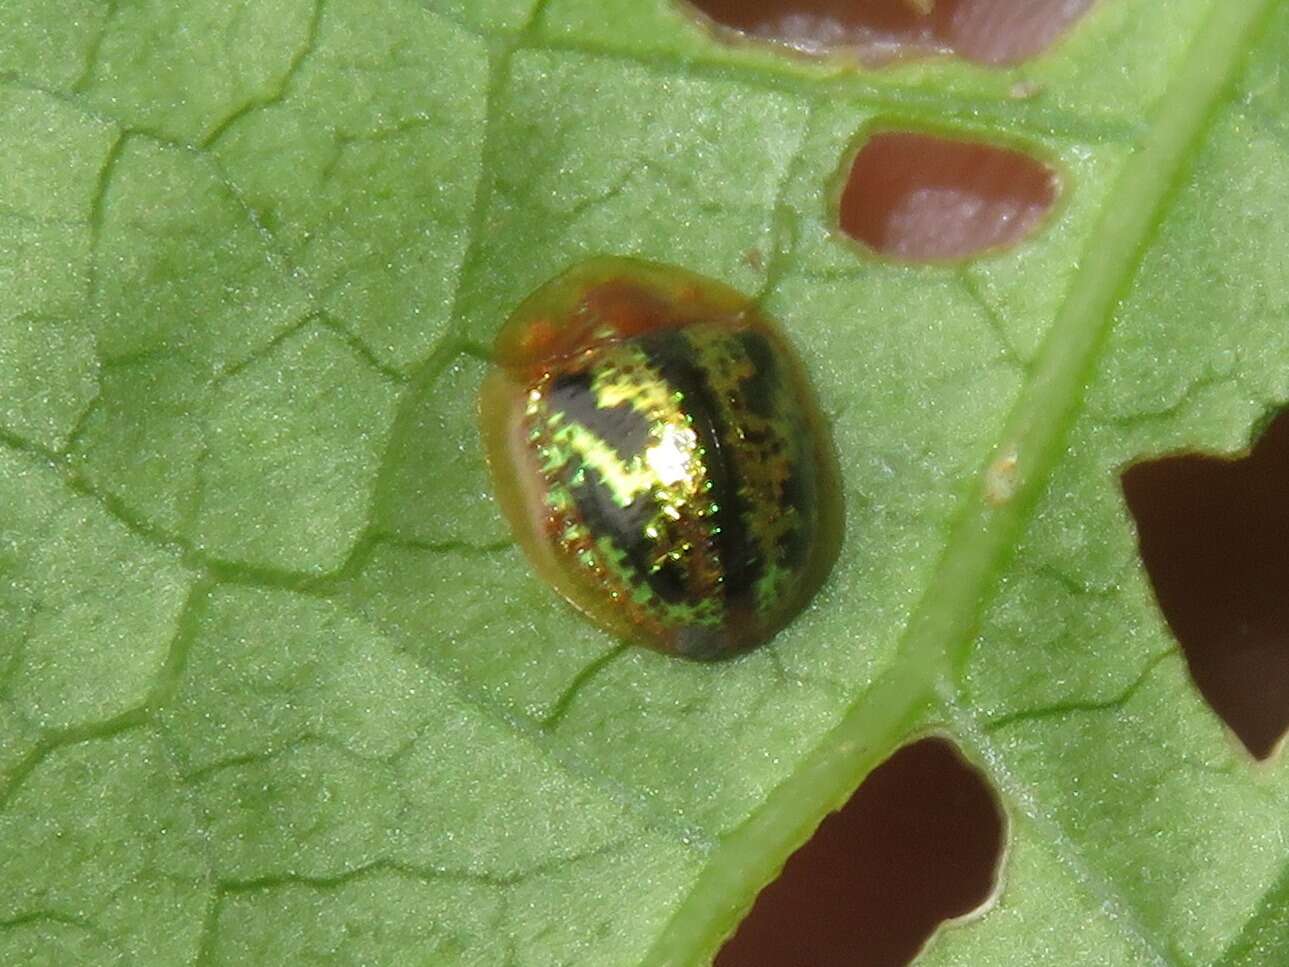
(941, 628)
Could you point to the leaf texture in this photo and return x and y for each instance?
(275, 684)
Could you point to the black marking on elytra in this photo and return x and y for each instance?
(670, 580)
(624, 526)
(620, 427)
(673, 356)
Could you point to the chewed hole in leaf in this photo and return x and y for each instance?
(919, 197)
(994, 32)
(1214, 536)
(918, 843)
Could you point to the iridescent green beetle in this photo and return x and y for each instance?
(659, 454)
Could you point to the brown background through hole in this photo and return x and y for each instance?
(918, 197)
(1215, 539)
(918, 843)
(984, 31)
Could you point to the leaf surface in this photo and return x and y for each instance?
(276, 686)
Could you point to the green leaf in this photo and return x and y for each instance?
(275, 685)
